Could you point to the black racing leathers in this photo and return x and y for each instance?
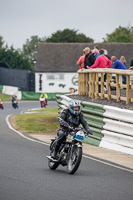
(74, 121)
(89, 60)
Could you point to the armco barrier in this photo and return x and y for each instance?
(112, 127)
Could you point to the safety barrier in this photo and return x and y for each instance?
(112, 127)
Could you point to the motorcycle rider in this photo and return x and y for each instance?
(13, 98)
(14, 101)
(44, 96)
(74, 118)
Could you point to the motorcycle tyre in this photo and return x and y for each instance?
(77, 163)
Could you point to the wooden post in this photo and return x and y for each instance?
(93, 85)
(83, 84)
(102, 85)
(90, 85)
(108, 86)
(96, 86)
(86, 84)
(117, 88)
(128, 93)
(79, 83)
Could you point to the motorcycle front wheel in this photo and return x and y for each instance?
(74, 160)
(52, 165)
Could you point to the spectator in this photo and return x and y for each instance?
(96, 47)
(89, 58)
(102, 61)
(117, 64)
(106, 54)
(81, 60)
(96, 53)
(131, 64)
(123, 60)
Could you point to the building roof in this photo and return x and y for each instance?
(62, 57)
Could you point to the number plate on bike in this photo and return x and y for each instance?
(80, 135)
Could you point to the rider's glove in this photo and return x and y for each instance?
(89, 132)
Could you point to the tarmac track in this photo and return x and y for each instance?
(24, 173)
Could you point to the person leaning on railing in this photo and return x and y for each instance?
(117, 64)
(101, 62)
(81, 60)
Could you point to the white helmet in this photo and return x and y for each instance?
(74, 107)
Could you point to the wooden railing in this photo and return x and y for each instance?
(89, 83)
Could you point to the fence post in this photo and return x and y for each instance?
(79, 83)
(108, 86)
(90, 85)
(93, 85)
(117, 88)
(102, 85)
(97, 86)
(128, 95)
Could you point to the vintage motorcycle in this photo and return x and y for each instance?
(70, 152)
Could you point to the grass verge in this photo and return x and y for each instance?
(5, 97)
(37, 123)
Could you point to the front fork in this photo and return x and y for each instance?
(74, 143)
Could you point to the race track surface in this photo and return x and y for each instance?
(24, 172)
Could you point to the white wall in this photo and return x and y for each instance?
(56, 82)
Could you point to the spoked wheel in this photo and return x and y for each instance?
(75, 160)
(52, 165)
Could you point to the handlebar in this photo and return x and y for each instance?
(64, 123)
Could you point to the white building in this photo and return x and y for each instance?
(56, 69)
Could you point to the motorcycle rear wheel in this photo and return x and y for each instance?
(74, 162)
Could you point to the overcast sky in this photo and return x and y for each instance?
(21, 19)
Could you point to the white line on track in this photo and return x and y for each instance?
(85, 156)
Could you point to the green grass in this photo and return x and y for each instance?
(44, 122)
(5, 97)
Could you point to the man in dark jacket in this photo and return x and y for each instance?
(89, 58)
(74, 118)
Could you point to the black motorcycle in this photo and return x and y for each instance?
(70, 152)
(14, 104)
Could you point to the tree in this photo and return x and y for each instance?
(69, 36)
(121, 34)
(16, 59)
(29, 49)
(1, 42)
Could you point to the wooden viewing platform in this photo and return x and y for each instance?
(88, 83)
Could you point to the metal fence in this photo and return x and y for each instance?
(22, 79)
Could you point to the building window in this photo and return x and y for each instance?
(55, 76)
